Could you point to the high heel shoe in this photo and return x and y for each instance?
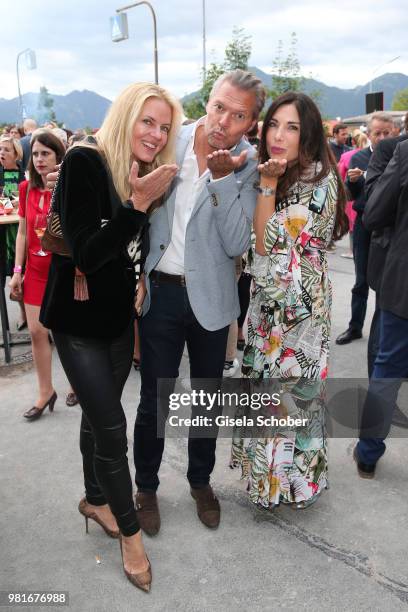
(35, 412)
(142, 580)
(89, 514)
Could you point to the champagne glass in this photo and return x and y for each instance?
(2, 200)
(40, 225)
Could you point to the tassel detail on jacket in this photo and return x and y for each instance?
(80, 286)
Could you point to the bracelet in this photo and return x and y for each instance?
(265, 191)
(17, 269)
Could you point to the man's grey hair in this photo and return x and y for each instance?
(379, 117)
(245, 80)
(61, 134)
(29, 125)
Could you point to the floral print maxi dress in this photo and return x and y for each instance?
(288, 339)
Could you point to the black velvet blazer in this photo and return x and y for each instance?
(86, 196)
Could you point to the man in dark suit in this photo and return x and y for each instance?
(380, 239)
(387, 206)
(378, 128)
(338, 144)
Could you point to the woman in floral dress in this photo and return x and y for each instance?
(300, 209)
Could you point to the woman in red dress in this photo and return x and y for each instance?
(46, 151)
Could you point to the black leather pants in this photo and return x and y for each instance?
(97, 370)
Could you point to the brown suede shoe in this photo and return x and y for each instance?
(208, 506)
(147, 510)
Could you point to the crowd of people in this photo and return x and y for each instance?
(183, 233)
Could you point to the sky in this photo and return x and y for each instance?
(343, 43)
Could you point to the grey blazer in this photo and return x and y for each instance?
(219, 229)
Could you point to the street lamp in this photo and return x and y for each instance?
(370, 85)
(119, 30)
(31, 63)
(204, 40)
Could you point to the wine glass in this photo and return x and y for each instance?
(40, 225)
(2, 201)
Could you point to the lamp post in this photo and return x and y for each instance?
(204, 41)
(119, 30)
(370, 85)
(31, 63)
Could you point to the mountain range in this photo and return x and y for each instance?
(85, 108)
(77, 109)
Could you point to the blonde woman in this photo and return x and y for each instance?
(11, 175)
(103, 195)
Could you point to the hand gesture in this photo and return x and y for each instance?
(273, 168)
(221, 163)
(140, 294)
(52, 177)
(354, 174)
(16, 284)
(147, 189)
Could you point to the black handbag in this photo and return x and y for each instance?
(53, 240)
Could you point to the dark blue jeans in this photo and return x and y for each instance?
(170, 324)
(392, 364)
(359, 293)
(373, 343)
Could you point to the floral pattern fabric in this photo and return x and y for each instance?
(288, 339)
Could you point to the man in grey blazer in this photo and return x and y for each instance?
(190, 275)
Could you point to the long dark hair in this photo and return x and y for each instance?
(313, 147)
(50, 140)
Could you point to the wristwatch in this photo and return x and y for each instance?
(265, 191)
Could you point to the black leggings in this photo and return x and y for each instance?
(97, 370)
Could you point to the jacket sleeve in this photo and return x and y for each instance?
(343, 166)
(382, 204)
(378, 163)
(355, 188)
(83, 187)
(233, 208)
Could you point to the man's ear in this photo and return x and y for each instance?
(251, 127)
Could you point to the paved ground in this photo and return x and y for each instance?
(345, 553)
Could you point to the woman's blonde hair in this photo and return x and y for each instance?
(114, 138)
(360, 139)
(18, 149)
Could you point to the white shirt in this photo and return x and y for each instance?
(189, 188)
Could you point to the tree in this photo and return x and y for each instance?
(286, 70)
(46, 110)
(195, 107)
(238, 50)
(236, 55)
(287, 75)
(400, 100)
